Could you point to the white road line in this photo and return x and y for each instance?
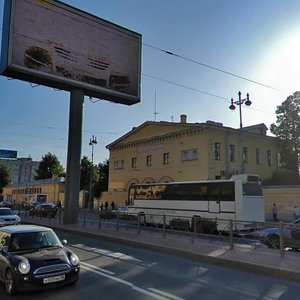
(96, 268)
(141, 290)
(116, 255)
(170, 296)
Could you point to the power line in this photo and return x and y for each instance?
(210, 67)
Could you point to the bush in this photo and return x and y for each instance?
(107, 214)
(180, 224)
(204, 225)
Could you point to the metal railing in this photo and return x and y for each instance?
(233, 232)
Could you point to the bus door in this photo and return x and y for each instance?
(213, 206)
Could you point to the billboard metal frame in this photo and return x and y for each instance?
(51, 43)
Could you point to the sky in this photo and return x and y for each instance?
(220, 48)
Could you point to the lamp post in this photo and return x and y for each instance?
(93, 141)
(239, 103)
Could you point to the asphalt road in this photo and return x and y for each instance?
(111, 271)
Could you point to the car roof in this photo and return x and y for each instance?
(23, 228)
(3, 208)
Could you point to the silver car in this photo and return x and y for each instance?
(290, 234)
(8, 217)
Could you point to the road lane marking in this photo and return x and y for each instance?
(170, 296)
(116, 255)
(96, 268)
(149, 292)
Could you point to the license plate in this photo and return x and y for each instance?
(54, 279)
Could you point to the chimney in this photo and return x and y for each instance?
(183, 118)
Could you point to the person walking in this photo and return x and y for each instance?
(296, 212)
(274, 212)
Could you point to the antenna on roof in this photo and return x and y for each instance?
(155, 112)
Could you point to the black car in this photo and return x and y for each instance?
(33, 257)
(44, 210)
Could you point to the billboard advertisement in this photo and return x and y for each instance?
(50, 43)
(8, 153)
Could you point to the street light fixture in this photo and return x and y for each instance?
(239, 103)
(93, 141)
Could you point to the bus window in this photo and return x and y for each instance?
(252, 189)
(227, 191)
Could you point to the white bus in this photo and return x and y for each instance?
(239, 199)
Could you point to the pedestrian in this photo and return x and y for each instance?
(274, 212)
(296, 212)
(101, 206)
(106, 205)
(112, 205)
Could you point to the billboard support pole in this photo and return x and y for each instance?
(74, 156)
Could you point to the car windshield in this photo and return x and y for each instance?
(6, 212)
(33, 241)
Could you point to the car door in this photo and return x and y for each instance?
(295, 233)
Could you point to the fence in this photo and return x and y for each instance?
(278, 236)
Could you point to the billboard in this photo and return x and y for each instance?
(50, 43)
(8, 153)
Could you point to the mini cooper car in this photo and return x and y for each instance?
(8, 217)
(33, 257)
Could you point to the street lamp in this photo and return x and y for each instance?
(93, 141)
(239, 103)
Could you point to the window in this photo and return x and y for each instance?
(119, 164)
(133, 162)
(190, 154)
(231, 153)
(149, 160)
(245, 154)
(217, 151)
(269, 158)
(166, 158)
(258, 156)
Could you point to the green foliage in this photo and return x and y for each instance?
(287, 128)
(282, 177)
(4, 177)
(204, 225)
(180, 224)
(85, 173)
(102, 184)
(49, 166)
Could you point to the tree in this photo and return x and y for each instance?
(287, 128)
(85, 175)
(49, 166)
(4, 177)
(102, 184)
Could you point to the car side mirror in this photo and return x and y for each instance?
(64, 242)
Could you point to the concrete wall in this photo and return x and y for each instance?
(285, 197)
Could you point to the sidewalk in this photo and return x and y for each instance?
(263, 261)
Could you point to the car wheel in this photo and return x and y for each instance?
(10, 285)
(273, 241)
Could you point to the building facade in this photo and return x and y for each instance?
(20, 169)
(165, 151)
(44, 190)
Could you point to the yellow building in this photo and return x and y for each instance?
(168, 151)
(45, 190)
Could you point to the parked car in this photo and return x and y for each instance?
(290, 233)
(5, 203)
(44, 210)
(8, 217)
(33, 257)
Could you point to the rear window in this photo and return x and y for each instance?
(252, 189)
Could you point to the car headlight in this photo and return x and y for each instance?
(74, 260)
(24, 267)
